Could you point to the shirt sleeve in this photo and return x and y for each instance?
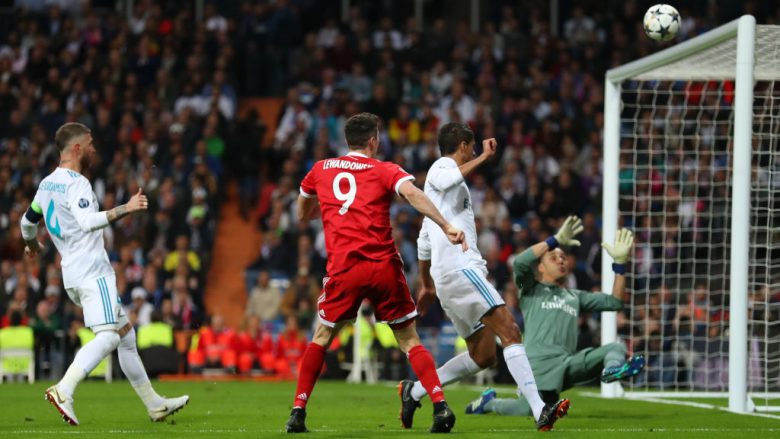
(309, 184)
(442, 178)
(598, 301)
(424, 244)
(393, 176)
(523, 270)
(80, 199)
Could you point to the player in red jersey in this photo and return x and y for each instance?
(354, 194)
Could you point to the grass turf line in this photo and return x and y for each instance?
(341, 410)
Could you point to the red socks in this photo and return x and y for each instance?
(311, 366)
(425, 369)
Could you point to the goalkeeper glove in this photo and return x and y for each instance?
(571, 226)
(624, 242)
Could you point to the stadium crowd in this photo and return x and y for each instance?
(161, 92)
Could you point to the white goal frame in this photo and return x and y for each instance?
(744, 30)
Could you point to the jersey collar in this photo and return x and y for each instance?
(357, 154)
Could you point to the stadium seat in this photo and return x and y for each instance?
(17, 356)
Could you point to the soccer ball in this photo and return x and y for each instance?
(662, 22)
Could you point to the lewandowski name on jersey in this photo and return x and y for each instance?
(346, 164)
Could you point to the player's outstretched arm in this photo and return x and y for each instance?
(137, 203)
(425, 206)
(620, 252)
(488, 151)
(571, 227)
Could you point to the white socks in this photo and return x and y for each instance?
(520, 368)
(134, 370)
(87, 359)
(454, 370)
(73, 376)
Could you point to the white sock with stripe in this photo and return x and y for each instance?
(456, 369)
(87, 358)
(133, 368)
(520, 368)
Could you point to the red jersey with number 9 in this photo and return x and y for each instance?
(355, 192)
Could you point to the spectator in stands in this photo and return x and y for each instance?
(216, 345)
(264, 299)
(255, 346)
(186, 314)
(141, 307)
(181, 253)
(300, 298)
(289, 348)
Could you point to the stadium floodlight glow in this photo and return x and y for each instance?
(692, 163)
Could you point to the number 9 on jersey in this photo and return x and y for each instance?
(349, 197)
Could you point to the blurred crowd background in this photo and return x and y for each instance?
(161, 92)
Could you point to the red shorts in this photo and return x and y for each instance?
(381, 282)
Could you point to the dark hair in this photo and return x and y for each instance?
(359, 128)
(66, 133)
(451, 135)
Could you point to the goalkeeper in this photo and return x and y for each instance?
(551, 312)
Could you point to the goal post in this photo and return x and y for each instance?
(691, 136)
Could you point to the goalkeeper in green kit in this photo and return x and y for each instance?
(550, 312)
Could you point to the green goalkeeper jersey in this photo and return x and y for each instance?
(550, 312)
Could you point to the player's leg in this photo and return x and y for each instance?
(616, 366)
(500, 321)
(425, 368)
(393, 304)
(98, 316)
(158, 407)
(481, 354)
(465, 306)
(311, 365)
(338, 304)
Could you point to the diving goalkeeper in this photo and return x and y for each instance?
(550, 311)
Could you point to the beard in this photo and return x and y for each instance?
(86, 162)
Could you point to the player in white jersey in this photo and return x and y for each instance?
(69, 208)
(459, 280)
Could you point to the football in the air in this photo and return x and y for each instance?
(662, 22)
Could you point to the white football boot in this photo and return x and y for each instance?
(63, 404)
(168, 407)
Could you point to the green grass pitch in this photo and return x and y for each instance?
(341, 410)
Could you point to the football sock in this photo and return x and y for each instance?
(454, 370)
(615, 358)
(87, 359)
(133, 368)
(520, 368)
(311, 366)
(425, 369)
(509, 407)
(73, 376)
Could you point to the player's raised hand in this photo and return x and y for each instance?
(425, 298)
(456, 236)
(138, 202)
(489, 147)
(624, 242)
(571, 227)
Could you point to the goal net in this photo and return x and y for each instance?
(699, 232)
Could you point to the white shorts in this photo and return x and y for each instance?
(101, 304)
(466, 297)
